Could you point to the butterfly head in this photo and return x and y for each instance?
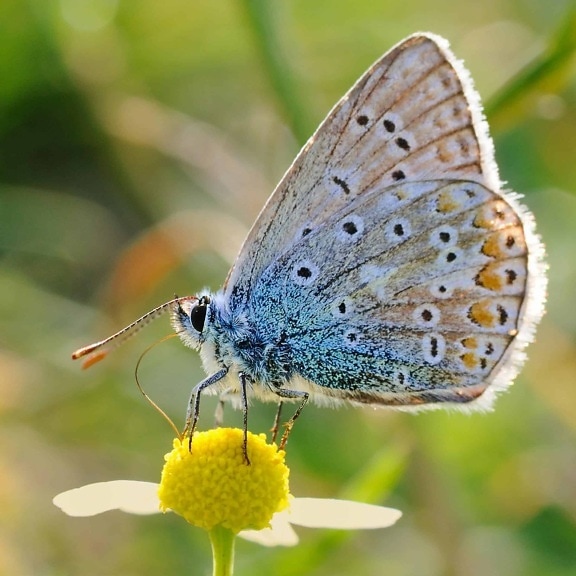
(189, 319)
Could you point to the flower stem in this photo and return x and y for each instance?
(222, 540)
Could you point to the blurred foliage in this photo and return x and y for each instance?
(138, 140)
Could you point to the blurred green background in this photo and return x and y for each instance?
(138, 140)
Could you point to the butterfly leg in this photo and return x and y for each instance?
(243, 381)
(194, 403)
(276, 424)
(291, 394)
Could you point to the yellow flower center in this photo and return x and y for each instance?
(213, 486)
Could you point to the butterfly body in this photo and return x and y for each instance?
(231, 340)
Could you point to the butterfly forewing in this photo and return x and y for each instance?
(406, 119)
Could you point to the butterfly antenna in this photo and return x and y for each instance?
(99, 350)
(150, 401)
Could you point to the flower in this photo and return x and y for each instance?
(213, 487)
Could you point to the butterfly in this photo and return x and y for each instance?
(388, 267)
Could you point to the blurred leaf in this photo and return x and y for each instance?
(378, 478)
(552, 536)
(550, 71)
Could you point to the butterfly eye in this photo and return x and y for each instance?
(198, 316)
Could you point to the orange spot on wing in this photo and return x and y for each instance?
(446, 202)
(490, 277)
(492, 247)
(481, 314)
(483, 218)
(470, 342)
(470, 360)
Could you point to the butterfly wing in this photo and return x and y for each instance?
(387, 259)
(410, 295)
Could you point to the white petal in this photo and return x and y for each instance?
(280, 533)
(342, 514)
(126, 495)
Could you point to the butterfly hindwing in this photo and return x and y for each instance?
(381, 306)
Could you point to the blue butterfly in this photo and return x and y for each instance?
(387, 268)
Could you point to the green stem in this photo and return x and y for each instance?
(265, 22)
(222, 541)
